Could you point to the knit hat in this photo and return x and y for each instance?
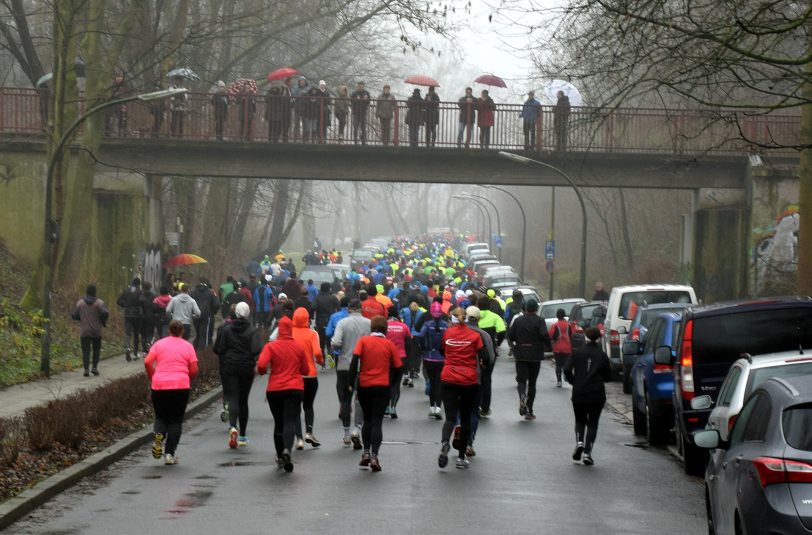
(242, 310)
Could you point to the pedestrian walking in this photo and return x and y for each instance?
(359, 100)
(415, 117)
(373, 360)
(385, 111)
(587, 370)
(431, 340)
(220, 102)
(309, 340)
(528, 338)
(460, 388)
(348, 331)
(288, 364)
(399, 334)
(485, 118)
(432, 116)
(147, 316)
(531, 111)
(184, 309)
(171, 365)
(177, 107)
(130, 302)
(238, 345)
(561, 336)
(561, 119)
(342, 109)
(92, 314)
(468, 108)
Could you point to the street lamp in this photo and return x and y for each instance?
(482, 207)
(498, 219)
(525, 160)
(524, 226)
(51, 230)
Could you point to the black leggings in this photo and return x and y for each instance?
(485, 389)
(433, 370)
(236, 387)
(526, 375)
(311, 386)
(374, 400)
(586, 423)
(459, 402)
(395, 376)
(169, 407)
(285, 406)
(560, 361)
(87, 343)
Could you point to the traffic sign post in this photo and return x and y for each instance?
(549, 250)
(498, 241)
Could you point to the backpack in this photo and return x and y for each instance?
(434, 337)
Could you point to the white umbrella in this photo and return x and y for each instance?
(550, 92)
(183, 72)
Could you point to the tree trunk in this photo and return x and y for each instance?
(279, 208)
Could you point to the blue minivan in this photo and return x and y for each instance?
(652, 383)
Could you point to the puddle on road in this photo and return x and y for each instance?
(205, 476)
(131, 492)
(232, 464)
(409, 443)
(189, 501)
(152, 476)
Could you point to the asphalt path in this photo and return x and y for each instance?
(523, 479)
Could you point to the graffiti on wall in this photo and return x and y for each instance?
(149, 265)
(775, 252)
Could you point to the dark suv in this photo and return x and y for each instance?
(712, 338)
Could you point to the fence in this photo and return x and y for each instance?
(308, 119)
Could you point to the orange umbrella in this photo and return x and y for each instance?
(185, 259)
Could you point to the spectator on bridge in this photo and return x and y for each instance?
(531, 111)
(116, 120)
(561, 119)
(92, 314)
(177, 107)
(342, 109)
(360, 106)
(385, 111)
(287, 109)
(415, 116)
(432, 116)
(219, 101)
(248, 107)
(276, 107)
(299, 94)
(324, 111)
(485, 118)
(156, 109)
(468, 109)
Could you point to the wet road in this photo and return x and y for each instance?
(522, 479)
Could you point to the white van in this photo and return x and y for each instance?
(623, 304)
(477, 246)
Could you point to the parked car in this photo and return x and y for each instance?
(492, 270)
(549, 308)
(470, 248)
(343, 269)
(319, 274)
(359, 257)
(528, 292)
(503, 281)
(479, 262)
(760, 481)
(652, 383)
(637, 331)
(583, 316)
(712, 338)
(746, 375)
(622, 307)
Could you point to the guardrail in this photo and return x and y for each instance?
(263, 118)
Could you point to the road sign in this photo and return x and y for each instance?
(549, 250)
(549, 266)
(498, 241)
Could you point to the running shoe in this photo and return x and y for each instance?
(529, 416)
(356, 440)
(393, 413)
(522, 407)
(558, 384)
(588, 459)
(157, 445)
(127, 355)
(87, 372)
(366, 458)
(442, 460)
(470, 452)
(387, 411)
(579, 450)
(232, 438)
(287, 463)
(280, 463)
(410, 384)
(405, 381)
(311, 439)
(462, 463)
(484, 413)
(300, 444)
(375, 465)
(242, 441)
(170, 459)
(94, 371)
(431, 411)
(347, 441)
(224, 413)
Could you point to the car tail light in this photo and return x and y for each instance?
(635, 334)
(687, 363)
(730, 423)
(772, 470)
(614, 338)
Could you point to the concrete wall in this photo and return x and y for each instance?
(720, 266)
(22, 187)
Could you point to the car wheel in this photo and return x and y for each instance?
(693, 458)
(627, 379)
(638, 419)
(654, 427)
(711, 526)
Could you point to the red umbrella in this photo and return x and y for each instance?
(490, 79)
(421, 79)
(185, 259)
(281, 74)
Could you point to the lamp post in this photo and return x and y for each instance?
(51, 230)
(525, 160)
(498, 219)
(524, 226)
(481, 207)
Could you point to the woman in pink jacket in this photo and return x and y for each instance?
(171, 365)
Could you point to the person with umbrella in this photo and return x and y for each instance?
(531, 111)
(485, 118)
(177, 107)
(414, 116)
(468, 108)
(386, 106)
(432, 115)
(219, 101)
(561, 119)
(360, 106)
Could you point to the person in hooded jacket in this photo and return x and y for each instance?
(159, 305)
(184, 309)
(130, 302)
(430, 336)
(529, 339)
(287, 362)
(309, 340)
(324, 306)
(263, 303)
(238, 345)
(92, 314)
(587, 369)
(208, 304)
(410, 315)
(399, 334)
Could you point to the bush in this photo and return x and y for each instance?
(12, 439)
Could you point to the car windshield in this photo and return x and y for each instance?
(760, 375)
(797, 421)
(631, 301)
(318, 276)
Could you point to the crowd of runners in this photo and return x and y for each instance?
(414, 312)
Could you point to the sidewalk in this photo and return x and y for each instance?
(14, 400)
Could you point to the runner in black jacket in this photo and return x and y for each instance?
(529, 339)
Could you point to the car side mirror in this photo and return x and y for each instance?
(709, 439)
(631, 347)
(701, 403)
(622, 330)
(662, 355)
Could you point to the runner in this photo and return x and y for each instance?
(348, 332)
(285, 390)
(374, 360)
(561, 336)
(529, 340)
(486, 358)
(309, 340)
(398, 333)
(431, 339)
